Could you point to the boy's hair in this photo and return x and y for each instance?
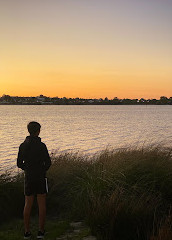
(33, 127)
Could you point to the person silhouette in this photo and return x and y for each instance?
(34, 159)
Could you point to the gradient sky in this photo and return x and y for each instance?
(86, 48)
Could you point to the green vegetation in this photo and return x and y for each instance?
(14, 229)
(121, 194)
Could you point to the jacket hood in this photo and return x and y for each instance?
(30, 139)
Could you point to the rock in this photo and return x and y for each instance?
(76, 230)
(89, 238)
(62, 238)
(71, 235)
(76, 224)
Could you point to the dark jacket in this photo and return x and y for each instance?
(33, 158)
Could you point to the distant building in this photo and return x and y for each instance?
(41, 98)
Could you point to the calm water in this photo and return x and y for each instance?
(84, 128)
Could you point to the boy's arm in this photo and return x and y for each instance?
(20, 161)
(47, 159)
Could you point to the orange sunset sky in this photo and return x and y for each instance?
(90, 49)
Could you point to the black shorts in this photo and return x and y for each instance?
(35, 187)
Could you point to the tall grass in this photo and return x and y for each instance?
(11, 196)
(122, 194)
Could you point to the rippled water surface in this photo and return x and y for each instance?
(83, 128)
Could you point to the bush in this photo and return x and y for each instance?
(12, 199)
(122, 194)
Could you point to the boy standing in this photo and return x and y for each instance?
(34, 159)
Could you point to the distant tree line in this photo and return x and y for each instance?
(43, 100)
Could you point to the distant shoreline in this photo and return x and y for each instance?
(78, 104)
(44, 100)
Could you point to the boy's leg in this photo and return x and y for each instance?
(27, 211)
(41, 198)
